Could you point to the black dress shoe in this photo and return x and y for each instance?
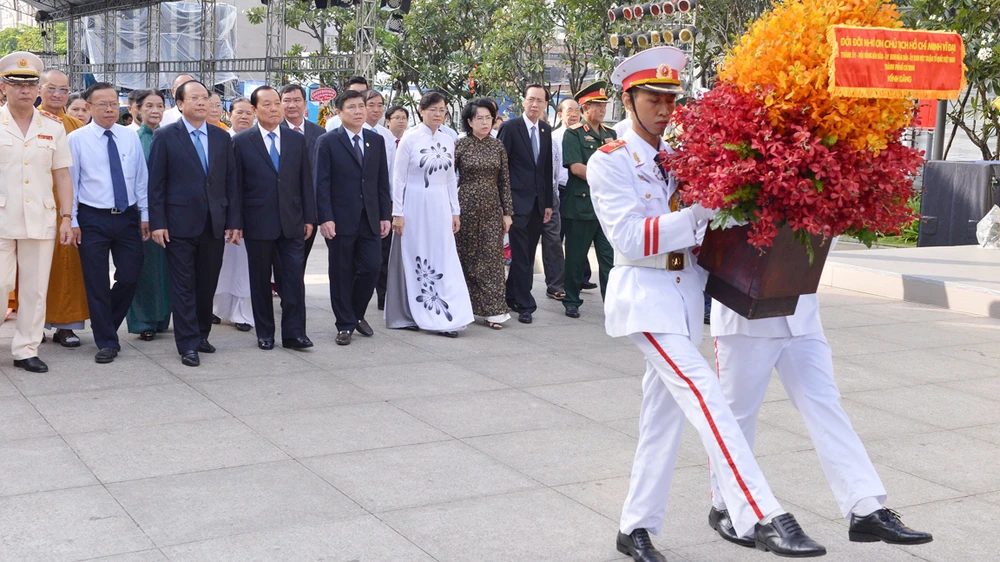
(190, 358)
(244, 327)
(66, 338)
(343, 338)
(639, 547)
(32, 364)
(147, 335)
(884, 525)
(449, 334)
(572, 311)
(296, 343)
(364, 329)
(205, 347)
(719, 520)
(216, 319)
(524, 318)
(266, 344)
(106, 355)
(784, 537)
(411, 328)
(588, 286)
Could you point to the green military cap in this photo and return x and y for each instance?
(594, 92)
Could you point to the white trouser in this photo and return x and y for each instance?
(805, 366)
(678, 384)
(26, 263)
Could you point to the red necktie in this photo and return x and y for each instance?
(397, 143)
(298, 130)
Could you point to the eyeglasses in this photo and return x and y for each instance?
(53, 91)
(104, 106)
(534, 100)
(398, 117)
(436, 110)
(197, 98)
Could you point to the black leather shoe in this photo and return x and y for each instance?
(266, 344)
(639, 547)
(588, 286)
(884, 525)
(449, 334)
(784, 537)
(205, 347)
(190, 358)
(343, 338)
(524, 318)
(719, 520)
(66, 338)
(296, 343)
(364, 329)
(216, 319)
(32, 364)
(147, 335)
(572, 311)
(244, 327)
(106, 355)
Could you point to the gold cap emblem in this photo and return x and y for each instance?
(22, 63)
(664, 71)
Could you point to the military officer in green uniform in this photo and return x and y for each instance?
(579, 221)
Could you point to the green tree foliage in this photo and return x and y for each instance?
(978, 22)
(29, 38)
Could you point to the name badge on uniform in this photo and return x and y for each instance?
(45, 137)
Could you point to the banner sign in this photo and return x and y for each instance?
(877, 62)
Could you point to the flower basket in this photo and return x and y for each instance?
(765, 282)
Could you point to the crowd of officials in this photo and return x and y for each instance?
(206, 222)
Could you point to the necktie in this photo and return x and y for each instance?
(200, 149)
(273, 151)
(534, 144)
(397, 143)
(298, 130)
(117, 175)
(357, 148)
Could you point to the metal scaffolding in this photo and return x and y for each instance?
(365, 40)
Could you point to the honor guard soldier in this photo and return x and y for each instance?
(654, 297)
(33, 155)
(580, 224)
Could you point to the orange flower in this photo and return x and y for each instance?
(788, 48)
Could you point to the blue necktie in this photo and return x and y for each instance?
(200, 149)
(117, 175)
(274, 151)
(534, 144)
(357, 148)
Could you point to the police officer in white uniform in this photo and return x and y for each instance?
(746, 353)
(654, 297)
(33, 155)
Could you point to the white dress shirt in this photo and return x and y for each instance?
(561, 174)
(133, 126)
(171, 115)
(361, 143)
(267, 141)
(300, 128)
(91, 171)
(333, 122)
(622, 127)
(203, 136)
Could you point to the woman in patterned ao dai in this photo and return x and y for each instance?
(426, 286)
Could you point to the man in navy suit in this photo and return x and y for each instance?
(274, 176)
(193, 203)
(293, 102)
(354, 208)
(528, 141)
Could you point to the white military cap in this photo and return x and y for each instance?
(21, 67)
(656, 69)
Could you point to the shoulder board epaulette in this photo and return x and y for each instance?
(577, 126)
(51, 116)
(612, 146)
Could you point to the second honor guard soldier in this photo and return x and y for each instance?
(33, 155)
(580, 224)
(654, 297)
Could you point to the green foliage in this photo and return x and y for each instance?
(721, 24)
(29, 38)
(978, 22)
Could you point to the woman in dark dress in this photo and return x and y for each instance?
(150, 310)
(484, 195)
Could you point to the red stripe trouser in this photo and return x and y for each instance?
(679, 385)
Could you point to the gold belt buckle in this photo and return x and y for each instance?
(675, 261)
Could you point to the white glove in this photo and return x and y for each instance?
(701, 213)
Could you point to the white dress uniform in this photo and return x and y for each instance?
(28, 208)
(748, 350)
(654, 297)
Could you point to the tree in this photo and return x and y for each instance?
(721, 24)
(978, 23)
(303, 16)
(514, 54)
(585, 28)
(29, 38)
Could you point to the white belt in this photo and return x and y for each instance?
(659, 261)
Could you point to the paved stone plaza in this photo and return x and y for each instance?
(510, 446)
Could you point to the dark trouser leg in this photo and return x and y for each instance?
(95, 246)
(383, 273)
(209, 264)
(259, 254)
(293, 300)
(579, 233)
(367, 258)
(605, 256)
(524, 234)
(342, 271)
(126, 250)
(181, 254)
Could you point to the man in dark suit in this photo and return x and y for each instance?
(274, 176)
(529, 156)
(293, 103)
(354, 207)
(193, 203)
